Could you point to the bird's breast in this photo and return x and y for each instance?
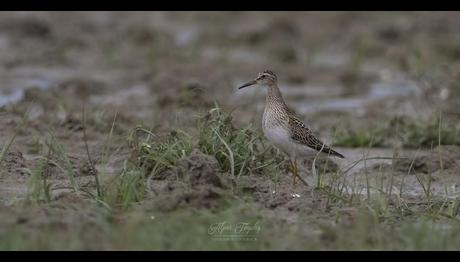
(273, 117)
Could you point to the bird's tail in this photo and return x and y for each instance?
(335, 153)
(332, 152)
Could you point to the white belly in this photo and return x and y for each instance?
(281, 138)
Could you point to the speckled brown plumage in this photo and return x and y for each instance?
(303, 135)
(282, 127)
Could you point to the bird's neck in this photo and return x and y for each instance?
(274, 97)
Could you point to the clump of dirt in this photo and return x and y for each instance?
(196, 182)
(62, 214)
(255, 184)
(202, 197)
(201, 169)
(430, 162)
(14, 164)
(280, 194)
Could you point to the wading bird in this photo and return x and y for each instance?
(284, 129)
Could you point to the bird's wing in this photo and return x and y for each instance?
(303, 135)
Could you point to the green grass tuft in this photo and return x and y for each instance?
(239, 151)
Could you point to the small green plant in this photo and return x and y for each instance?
(238, 151)
(62, 160)
(129, 186)
(39, 188)
(163, 153)
(6, 147)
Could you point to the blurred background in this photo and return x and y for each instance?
(153, 66)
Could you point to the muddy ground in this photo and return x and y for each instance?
(161, 70)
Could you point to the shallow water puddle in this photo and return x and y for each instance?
(379, 91)
(365, 177)
(13, 83)
(13, 91)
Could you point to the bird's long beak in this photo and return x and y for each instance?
(250, 83)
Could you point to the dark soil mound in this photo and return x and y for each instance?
(196, 182)
(445, 157)
(14, 164)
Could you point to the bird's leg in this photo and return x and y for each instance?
(295, 172)
(292, 170)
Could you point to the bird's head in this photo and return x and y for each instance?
(266, 78)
